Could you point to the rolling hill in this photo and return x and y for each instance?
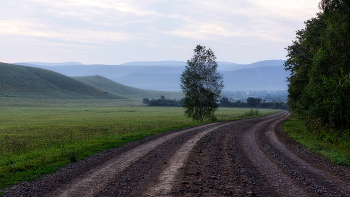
(113, 87)
(29, 82)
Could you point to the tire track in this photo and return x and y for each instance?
(96, 179)
(167, 178)
(315, 177)
(217, 165)
(278, 180)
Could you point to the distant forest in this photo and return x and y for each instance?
(250, 102)
(269, 96)
(255, 103)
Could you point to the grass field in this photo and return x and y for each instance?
(38, 140)
(320, 142)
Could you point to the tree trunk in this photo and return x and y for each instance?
(200, 107)
(331, 122)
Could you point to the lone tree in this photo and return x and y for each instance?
(201, 84)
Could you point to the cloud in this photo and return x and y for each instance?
(97, 10)
(179, 47)
(160, 24)
(11, 27)
(298, 9)
(219, 21)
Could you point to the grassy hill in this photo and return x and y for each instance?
(113, 87)
(30, 82)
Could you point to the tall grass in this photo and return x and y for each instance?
(39, 140)
(322, 142)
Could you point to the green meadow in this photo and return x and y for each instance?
(38, 137)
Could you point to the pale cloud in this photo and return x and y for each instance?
(270, 20)
(92, 25)
(152, 45)
(204, 32)
(91, 10)
(179, 47)
(29, 29)
(300, 9)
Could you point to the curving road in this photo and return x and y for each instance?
(251, 157)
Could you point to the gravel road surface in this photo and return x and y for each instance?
(251, 157)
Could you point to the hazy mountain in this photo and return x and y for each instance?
(261, 78)
(109, 71)
(156, 63)
(231, 66)
(24, 81)
(226, 66)
(113, 71)
(50, 64)
(113, 87)
(165, 75)
(151, 81)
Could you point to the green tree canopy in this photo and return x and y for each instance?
(201, 84)
(319, 61)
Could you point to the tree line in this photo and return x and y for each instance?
(319, 61)
(163, 102)
(254, 102)
(224, 102)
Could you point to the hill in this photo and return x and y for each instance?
(109, 71)
(50, 64)
(113, 87)
(30, 82)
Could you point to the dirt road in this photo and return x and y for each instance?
(251, 157)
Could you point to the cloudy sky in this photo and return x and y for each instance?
(120, 31)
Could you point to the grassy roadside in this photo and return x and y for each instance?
(320, 142)
(35, 141)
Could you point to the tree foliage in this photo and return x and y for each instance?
(319, 61)
(145, 101)
(253, 102)
(224, 102)
(165, 102)
(201, 84)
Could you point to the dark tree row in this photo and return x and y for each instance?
(319, 61)
(163, 102)
(253, 102)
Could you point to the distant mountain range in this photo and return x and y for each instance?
(165, 75)
(223, 66)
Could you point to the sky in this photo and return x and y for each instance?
(119, 31)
